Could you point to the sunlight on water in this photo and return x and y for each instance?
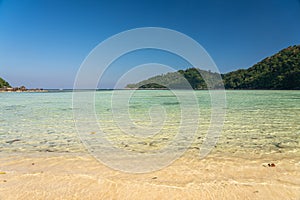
(257, 122)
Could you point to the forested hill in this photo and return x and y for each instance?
(3, 83)
(280, 71)
(177, 80)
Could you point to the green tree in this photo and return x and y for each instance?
(3, 83)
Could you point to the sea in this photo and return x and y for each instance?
(253, 123)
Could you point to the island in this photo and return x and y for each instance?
(3, 83)
(277, 72)
(5, 87)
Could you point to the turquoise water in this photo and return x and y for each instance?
(257, 122)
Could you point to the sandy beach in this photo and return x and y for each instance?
(41, 156)
(62, 176)
(149, 100)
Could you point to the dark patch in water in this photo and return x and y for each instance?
(171, 103)
(165, 96)
(14, 107)
(66, 109)
(12, 141)
(270, 136)
(134, 106)
(278, 145)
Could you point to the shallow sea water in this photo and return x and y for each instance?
(257, 122)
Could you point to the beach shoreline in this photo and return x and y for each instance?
(78, 176)
(42, 156)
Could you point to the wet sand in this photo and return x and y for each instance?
(67, 176)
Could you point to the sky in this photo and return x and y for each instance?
(44, 42)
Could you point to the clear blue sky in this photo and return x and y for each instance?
(43, 42)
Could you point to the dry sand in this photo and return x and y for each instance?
(57, 176)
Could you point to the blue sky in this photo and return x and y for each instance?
(44, 42)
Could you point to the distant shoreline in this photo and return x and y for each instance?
(21, 89)
(125, 89)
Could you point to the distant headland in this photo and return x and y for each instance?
(5, 87)
(21, 89)
(278, 72)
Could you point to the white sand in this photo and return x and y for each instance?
(51, 176)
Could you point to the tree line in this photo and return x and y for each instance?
(3, 83)
(280, 71)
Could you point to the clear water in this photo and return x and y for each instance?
(257, 122)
